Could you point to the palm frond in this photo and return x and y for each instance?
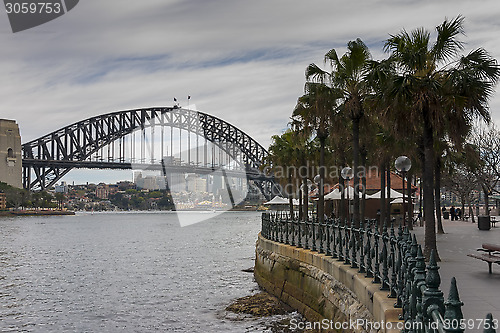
(315, 73)
(447, 45)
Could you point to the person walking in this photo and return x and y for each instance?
(458, 214)
(445, 213)
(453, 213)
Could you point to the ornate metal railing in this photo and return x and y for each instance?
(392, 257)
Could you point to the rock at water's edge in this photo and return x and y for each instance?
(260, 305)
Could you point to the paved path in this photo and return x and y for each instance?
(479, 290)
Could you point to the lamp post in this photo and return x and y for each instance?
(346, 173)
(403, 165)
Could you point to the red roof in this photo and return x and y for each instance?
(373, 182)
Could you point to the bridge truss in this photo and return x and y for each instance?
(169, 139)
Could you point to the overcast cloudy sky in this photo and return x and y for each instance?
(242, 61)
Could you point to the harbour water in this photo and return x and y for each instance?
(134, 272)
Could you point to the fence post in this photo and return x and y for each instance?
(368, 250)
(327, 231)
(433, 297)
(335, 224)
(361, 244)
(453, 309)
(375, 254)
(385, 265)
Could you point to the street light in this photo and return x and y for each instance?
(346, 173)
(403, 165)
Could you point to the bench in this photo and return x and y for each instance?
(491, 256)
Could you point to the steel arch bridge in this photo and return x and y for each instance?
(108, 141)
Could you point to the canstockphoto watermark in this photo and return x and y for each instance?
(25, 14)
(367, 325)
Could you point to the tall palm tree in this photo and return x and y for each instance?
(303, 153)
(282, 157)
(348, 75)
(316, 110)
(433, 90)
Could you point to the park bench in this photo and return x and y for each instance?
(491, 256)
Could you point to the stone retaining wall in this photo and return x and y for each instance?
(321, 287)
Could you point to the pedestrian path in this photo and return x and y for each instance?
(479, 290)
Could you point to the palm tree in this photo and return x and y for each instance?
(316, 110)
(283, 159)
(348, 76)
(433, 92)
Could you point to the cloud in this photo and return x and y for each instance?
(242, 61)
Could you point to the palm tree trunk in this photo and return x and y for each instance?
(428, 178)
(363, 199)
(363, 185)
(420, 153)
(383, 208)
(342, 214)
(437, 194)
(409, 205)
(321, 201)
(300, 204)
(355, 152)
(388, 201)
(305, 193)
(290, 196)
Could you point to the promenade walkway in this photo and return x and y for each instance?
(479, 290)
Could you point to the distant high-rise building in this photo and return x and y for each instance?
(176, 182)
(196, 184)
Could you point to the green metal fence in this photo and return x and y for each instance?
(392, 257)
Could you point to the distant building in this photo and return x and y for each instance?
(195, 183)
(10, 153)
(3, 201)
(125, 185)
(176, 182)
(149, 182)
(102, 191)
(63, 188)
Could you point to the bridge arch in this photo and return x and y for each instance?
(50, 157)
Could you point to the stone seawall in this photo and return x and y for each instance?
(321, 287)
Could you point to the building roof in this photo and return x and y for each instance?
(373, 182)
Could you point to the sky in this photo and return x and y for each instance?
(242, 61)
